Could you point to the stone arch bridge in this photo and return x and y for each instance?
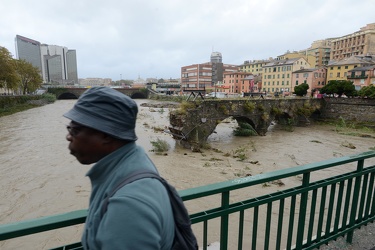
(74, 93)
(194, 122)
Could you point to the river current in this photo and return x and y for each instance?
(39, 177)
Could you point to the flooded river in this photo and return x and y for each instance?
(39, 177)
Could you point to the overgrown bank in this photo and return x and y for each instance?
(13, 104)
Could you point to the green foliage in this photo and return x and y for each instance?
(244, 129)
(260, 107)
(301, 90)
(276, 111)
(265, 116)
(8, 74)
(339, 87)
(367, 91)
(29, 75)
(50, 98)
(249, 107)
(240, 153)
(306, 110)
(184, 107)
(13, 104)
(223, 109)
(159, 146)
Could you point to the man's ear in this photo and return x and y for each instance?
(107, 139)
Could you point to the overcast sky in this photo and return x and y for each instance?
(147, 38)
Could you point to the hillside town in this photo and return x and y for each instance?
(347, 58)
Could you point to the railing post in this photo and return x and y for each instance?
(224, 221)
(353, 211)
(302, 211)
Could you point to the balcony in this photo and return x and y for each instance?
(357, 77)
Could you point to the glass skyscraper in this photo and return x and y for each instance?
(57, 64)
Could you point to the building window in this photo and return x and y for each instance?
(296, 82)
(297, 75)
(338, 74)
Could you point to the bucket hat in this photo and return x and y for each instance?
(106, 110)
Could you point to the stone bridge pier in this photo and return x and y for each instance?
(193, 123)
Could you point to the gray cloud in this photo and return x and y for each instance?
(155, 38)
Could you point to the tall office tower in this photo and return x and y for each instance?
(57, 64)
(28, 50)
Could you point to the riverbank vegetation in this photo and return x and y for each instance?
(17, 76)
(352, 128)
(13, 104)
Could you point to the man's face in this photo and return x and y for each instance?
(86, 144)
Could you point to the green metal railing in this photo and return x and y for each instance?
(312, 213)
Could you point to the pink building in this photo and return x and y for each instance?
(315, 78)
(362, 76)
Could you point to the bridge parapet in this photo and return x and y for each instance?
(74, 93)
(192, 125)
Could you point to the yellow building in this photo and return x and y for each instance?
(255, 67)
(338, 70)
(320, 50)
(308, 57)
(277, 75)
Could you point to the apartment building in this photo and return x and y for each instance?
(236, 82)
(205, 76)
(339, 69)
(314, 77)
(91, 82)
(361, 42)
(277, 75)
(289, 55)
(320, 50)
(255, 67)
(362, 76)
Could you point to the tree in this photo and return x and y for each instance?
(339, 87)
(367, 91)
(29, 75)
(8, 75)
(301, 90)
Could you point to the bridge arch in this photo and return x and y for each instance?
(67, 95)
(193, 126)
(75, 93)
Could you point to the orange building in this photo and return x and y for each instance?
(236, 82)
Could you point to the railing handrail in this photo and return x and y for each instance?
(38, 225)
(238, 183)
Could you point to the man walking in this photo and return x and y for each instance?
(138, 215)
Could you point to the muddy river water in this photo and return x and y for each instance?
(39, 177)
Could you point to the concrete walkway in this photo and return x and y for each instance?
(363, 239)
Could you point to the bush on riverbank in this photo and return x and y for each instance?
(13, 104)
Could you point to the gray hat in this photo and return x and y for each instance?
(106, 110)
